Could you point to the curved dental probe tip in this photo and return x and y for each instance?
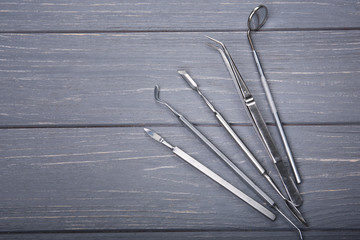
(159, 100)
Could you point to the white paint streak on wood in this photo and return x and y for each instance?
(339, 160)
(157, 168)
(63, 155)
(329, 159)
(98, 161)
(326, 191)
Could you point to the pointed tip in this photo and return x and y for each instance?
(305, 223)
(296, 212)
(302, 220)
(209, 37)
(213, 39)
(154, 135)
(148, 131)
(212, 46)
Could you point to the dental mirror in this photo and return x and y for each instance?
(257, 18)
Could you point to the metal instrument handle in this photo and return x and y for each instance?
(223, 183)
(227, 160)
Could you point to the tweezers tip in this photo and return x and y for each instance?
(213, 39)
(305, 223)
(212, 46)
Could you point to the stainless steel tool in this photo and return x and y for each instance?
(237, 139)
(259, 124)
(222, 156)
(177, 151)
(256, 20)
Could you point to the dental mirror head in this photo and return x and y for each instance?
(257, 18)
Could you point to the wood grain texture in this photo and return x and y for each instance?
(118, 178)
(77, 82)
(165, 15)
(89, 79)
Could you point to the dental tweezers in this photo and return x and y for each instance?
(259, 123)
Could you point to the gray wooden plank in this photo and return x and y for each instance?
(163, 15)
(109, 78)
(269, 235)
(118, 178)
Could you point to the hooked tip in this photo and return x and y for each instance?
(156, 92)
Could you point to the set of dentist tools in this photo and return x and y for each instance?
(292, 198)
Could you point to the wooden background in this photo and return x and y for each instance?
(77, 82)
